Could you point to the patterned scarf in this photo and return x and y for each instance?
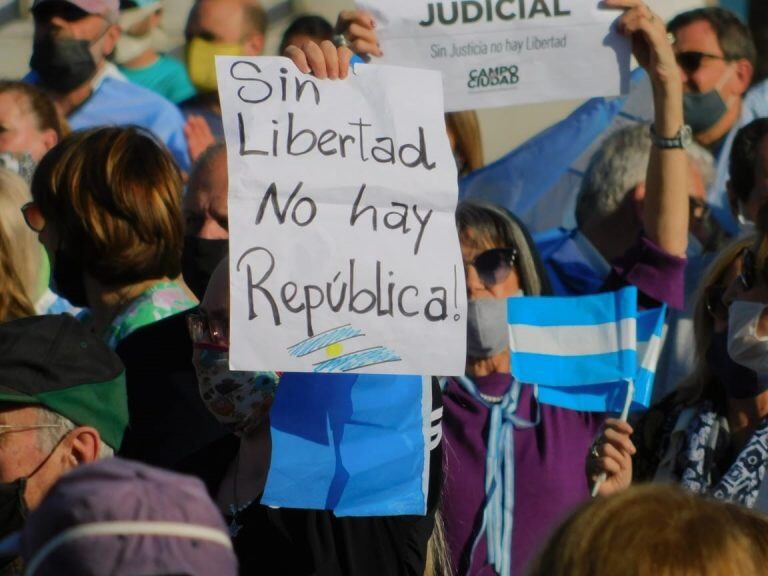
(706, 445)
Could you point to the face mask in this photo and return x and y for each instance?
(487, 329)
(198, 261)
(201, 63)
(130, 47)
(63, 63)
(739, 382)
(13, 508)
(702, 111)
(744, 345)
(68, 276)
(239, 400)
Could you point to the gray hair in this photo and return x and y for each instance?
(619, 165)
(49, 438)
(616, 168)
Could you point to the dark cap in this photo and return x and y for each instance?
(54, 362)
(107, 9)
(125, 518)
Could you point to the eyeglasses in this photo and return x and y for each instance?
(207, 332)
(5, 428)
(748, 270)
(691, 61)
(698, 209)
(494, 266)
(33, 216)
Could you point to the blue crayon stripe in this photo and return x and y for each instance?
(357, 360)
(323, 340)
(573, 311)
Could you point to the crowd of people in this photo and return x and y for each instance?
(128, 446)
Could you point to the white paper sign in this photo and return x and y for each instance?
(503, 52)
(344, 255)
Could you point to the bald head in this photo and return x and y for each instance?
(205, 204)
(229, 22)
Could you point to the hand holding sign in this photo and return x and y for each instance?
(324, 61)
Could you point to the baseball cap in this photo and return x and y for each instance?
(109, 9)
(54, 362)
(125, 518)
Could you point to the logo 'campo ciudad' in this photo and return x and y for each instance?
(470, 11)
(493, 77)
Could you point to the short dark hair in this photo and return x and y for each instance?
(114, 195)
(311, 25)
(733, 35)
(743, 158)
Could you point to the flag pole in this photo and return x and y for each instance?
(624, 417)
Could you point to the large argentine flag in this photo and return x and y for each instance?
(355, 444)
(582, 351)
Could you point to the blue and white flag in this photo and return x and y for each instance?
(582, 351)
(355, 444)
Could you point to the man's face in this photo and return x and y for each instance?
(21, 456)
(65, 20)
(217, 21)
(205, 205)
(18, 128)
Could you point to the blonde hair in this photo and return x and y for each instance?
(702, 383)
(14, 302)
(24, 250)
(656, 530)
(465, 128)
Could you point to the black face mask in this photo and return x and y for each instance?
(63, 63)
(68, 275)
(13, 509)
(739, 381)
(199, 260)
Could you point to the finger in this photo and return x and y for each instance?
(299, 58)
(619, 425)
(363, 47)
(331, 57)
(610, 452)
(621, 441)
(610, 466)
(349, 17)
(358, 32)
(345, 56)
(316, 60)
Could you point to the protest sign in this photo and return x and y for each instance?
(503, 52)
(344, 255)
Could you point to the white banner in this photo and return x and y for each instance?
(502, 52)
(344, 255)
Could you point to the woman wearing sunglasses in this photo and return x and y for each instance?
(711, 436)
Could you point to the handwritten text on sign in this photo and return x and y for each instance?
(503, 52)
(344, 255)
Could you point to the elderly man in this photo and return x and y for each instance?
(717, 57)
(62, 404)
(72, 41)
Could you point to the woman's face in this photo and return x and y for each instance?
(472, 246)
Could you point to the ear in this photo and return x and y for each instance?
(84, 445)
(156, 18)
(50, 138)
(111, 36)
(744, 74)
(253, 45)
(733, 201)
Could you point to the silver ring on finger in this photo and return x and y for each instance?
(340, 40)
(594, 451)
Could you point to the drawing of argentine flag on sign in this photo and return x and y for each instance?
(586, 352)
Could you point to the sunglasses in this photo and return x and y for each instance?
(33, 216)
(691, 61)
(748, 274)
(494, 266)
(206, 332)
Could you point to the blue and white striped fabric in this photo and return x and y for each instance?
(582, 351)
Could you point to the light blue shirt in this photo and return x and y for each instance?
(118, 103)
(755, 106)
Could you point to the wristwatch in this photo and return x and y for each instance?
(683, 139)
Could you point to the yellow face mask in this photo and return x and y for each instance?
(201, 62)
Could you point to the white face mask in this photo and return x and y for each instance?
(745, 346)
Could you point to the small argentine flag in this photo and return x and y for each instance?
(583, 351)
